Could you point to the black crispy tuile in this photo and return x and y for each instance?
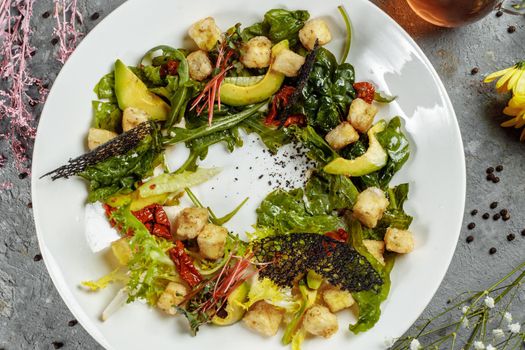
(120, 145)
(302, 79)
(291, 256)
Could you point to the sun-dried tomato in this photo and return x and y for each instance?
(365, 91)
(279, 101)
(340, 235)
(169, 68)
(155, 219)
(296, 119)
(184, 265)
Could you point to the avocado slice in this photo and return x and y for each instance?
(237, 95)
(374, 158)
(233, 307)
(132, 92)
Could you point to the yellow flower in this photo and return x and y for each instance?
(516, 109)
(510, 79)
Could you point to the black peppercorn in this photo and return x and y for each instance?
(58, 344)
(492, 251)
(490, 170)
(474, 71)
(54, 41)
(474, 212)
(470, 239)
(72, 323)
(511, 29)
(493, 205)
(471, 226)
(499, 13)
(510, 237)
(523, 232)
(495, 180)
(95, 16)
(496, 216)
(22, 176)
(485, 216)
(37, 257)
(503, 212)
(46, 14)
(499, 168)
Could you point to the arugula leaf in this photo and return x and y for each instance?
(326, 193)
(273, 138)
(105, 88)
(319, 150)
(278, 25)
(286, 212)
(106, 115)
(369, 302)
(120, 173)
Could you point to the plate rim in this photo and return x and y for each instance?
(61, 285)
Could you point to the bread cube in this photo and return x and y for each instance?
(288, 63)
(399, 241)
(370, 206)
(341, 136)
(376, 248)
(315, 29)
(190, 222)
(361, 115)
(97, 137)
(132, 117)
(257, 52)
(205, 33)
(337, 299)
(318, 320)
(172, 296)
(211, 241)
(263, 318)
(199, 64)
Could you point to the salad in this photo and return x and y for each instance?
(317, 250)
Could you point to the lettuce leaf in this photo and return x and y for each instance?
(107, 116)
(265, 289)
(114, 276)
(105, 88)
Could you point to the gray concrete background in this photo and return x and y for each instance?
(32, 314)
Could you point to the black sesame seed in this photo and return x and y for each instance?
(495, 180)
(510, 237)
(470, 239)
(490, 170)
(485, 216)
(58, 344)
(492, 251)
(499, 168)
(449, 301)
(37, 257)
(496, 216)
(72, 323)
(493, 205)
(474, 71)
(499, 13)
(511, 29)
(95, 16)
(260, 176)
(46, 14)
(474, 212)
(471, 226)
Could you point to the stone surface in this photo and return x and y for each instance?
(32, 314)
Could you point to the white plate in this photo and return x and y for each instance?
(381, 52)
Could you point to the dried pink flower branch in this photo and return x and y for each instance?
(15, 50)
(66, 15)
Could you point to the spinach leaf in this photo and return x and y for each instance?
(272, 138)
(396, 145)
(105, 88)
(278, 25)
(106, 115)
(120, 173)
(369, 302)
(328, 93)
(286, 212)
(326, 193)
